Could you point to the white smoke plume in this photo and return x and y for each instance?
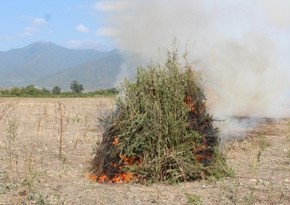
(242, 46)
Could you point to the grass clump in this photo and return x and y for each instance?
(161, 130)
(193, 199)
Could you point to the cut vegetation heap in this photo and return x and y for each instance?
(160, 130)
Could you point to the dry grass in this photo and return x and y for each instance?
(33, 132)
(46, 143)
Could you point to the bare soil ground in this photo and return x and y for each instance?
(46, 146)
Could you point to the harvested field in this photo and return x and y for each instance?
(46, 146)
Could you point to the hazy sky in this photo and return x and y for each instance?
(243, 46)
(70, 23)
(105, 24)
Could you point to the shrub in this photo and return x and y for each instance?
(160, 130)
(56, 90)
(76, 87)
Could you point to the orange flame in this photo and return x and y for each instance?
(116, 140)
(189, 102)
(102, 178)
(92, 177)
(119, 176)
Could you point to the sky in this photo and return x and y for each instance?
(106, 24)
(69, 23)
(242, 47)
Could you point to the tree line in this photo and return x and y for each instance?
(77, 90)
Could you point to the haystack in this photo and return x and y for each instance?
(160, 130)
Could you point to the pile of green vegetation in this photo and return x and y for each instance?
(160, 130)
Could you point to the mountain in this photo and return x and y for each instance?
(46, 64)
(105, 72)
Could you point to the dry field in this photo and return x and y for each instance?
(46, 146)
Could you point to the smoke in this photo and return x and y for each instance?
(247, 77)
(242, 46)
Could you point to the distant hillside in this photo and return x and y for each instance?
(105, 72)
(46, 64)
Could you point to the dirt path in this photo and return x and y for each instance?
(32, 172)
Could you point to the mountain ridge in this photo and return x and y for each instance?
(45, 64)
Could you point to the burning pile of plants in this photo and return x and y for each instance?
(160, 131)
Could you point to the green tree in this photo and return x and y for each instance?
(31, 90)
(15, 91)
(5, 91)
(45, 91)
(56, 90)
(76, 87)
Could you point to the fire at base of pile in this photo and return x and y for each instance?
(160, 130)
